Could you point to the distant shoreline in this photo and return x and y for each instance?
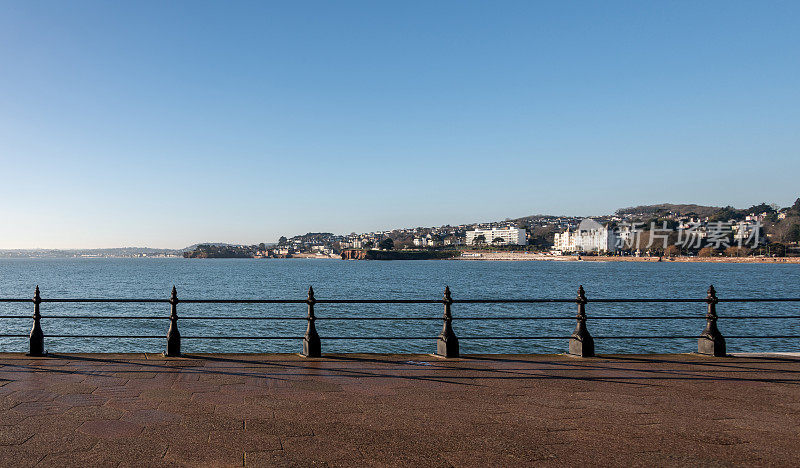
(523, 256)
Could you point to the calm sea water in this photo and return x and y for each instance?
(289, 279)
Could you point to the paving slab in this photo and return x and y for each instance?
(399, 410)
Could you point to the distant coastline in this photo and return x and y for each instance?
(530, 256)
(478, 255)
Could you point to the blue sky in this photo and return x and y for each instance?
(167, 123)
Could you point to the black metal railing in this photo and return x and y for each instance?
(581, 342)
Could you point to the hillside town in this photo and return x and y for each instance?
(646, 230)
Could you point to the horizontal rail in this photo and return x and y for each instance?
(645, 300)
(543, 317)
(218, 337)
(511, 301)
(620, 337)
(693, 337)
(537, 337)
(243, 301)
(761, 336)
(161, 337)
(89, 317)
(778, 299)
(101, 300)
(396, 301)
(379, 301)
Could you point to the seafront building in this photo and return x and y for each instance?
(590, 236)
(431, 240)
(508, 236)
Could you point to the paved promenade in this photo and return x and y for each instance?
(398, 410)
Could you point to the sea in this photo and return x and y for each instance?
(339, 279)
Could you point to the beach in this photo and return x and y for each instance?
(530, 256)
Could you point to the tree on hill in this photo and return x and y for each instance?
(763, 207)
(478, 240)
(794, 233)
(498, 241)
(697, 210)
(728, 213)
(282, 240)
(219, 251)
(386, 244)
(707, 252)
(736, 251)
(787, 229)
(404, 242)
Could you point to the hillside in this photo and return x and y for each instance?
(664, 208)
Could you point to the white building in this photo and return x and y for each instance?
(509, 236)
(430, 240)
(745, 233)
(590, 236)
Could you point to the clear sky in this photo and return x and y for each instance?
(162, 124)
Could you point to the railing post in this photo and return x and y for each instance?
(173, 335)
(37, 336)
(447, 343)
(312, 346)
(711, 341)
(581, 342)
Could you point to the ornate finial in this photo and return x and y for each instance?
(581, 294)
(311, 293)
(173, 299)
(712, 294)
(36, 293)
(447, 294)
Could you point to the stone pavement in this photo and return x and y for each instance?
(398, 410)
